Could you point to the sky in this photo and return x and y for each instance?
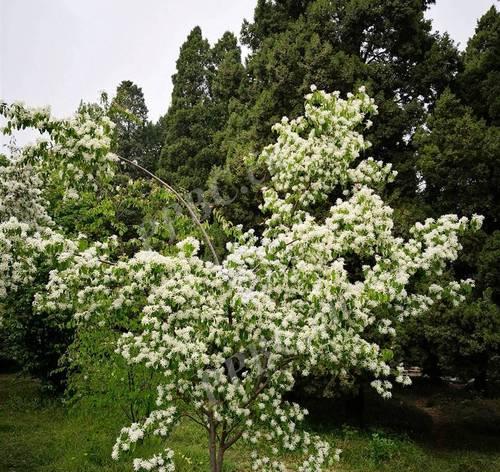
(58, 52)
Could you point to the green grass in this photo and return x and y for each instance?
(38, 433)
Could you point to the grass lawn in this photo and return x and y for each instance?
(454, 433)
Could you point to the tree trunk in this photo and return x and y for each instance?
(358, 403)
(481, 382)
(216, 453)
(220, 459)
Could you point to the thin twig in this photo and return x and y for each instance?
(104, 261)
(192, 418)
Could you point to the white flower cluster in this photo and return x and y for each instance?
(158, 423)
(74, 152)
(372, 173)
(229, 339)
(314, 152)
(22, 251)
(159, 462)
(189, 246)
(21, 194)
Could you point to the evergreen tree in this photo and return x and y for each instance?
(458, 159)
(191, 82)
(129, 113)
(338, 45)
(480, 81)
(206, 80)
(226, 71)
(458, 154)
(135, 137)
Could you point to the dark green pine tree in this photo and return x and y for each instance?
(204, 84)
(458, 153)
(459, 162)
(135, 137)
(479, 83)
(339, 45)
(129, 113)
(225, 70)
(191, 81)
(458, 159)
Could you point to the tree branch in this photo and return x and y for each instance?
(181, 199)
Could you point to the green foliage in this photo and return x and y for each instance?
(337, 45)
(141, 215)
(382, 448)
(134, 137)
(479, 83)
(488, 266)
(100, 378)
(461, 341)
(38, 433)
(387, 45)
(139, 212)
(35, 342)
(459, 161)
(206, 81)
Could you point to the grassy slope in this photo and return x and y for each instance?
(38, 434)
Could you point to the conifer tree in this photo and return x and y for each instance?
(338, 45)
(458, 159)
(129, 112)
(206, 80)
(480, 80)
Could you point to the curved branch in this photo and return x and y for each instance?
(181, 199)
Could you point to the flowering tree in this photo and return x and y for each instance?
(229, 338)
(72, 155)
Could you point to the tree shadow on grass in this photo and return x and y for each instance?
(439, 416)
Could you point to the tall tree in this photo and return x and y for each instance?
(459, 151)
(338, 45)
(129, 113)
(480, 81)
(135, 137)
(225, 69)
(190, 81)
(205, 81)
(458, 159)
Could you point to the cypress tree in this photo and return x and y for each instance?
(387, 45)
(206, 80)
